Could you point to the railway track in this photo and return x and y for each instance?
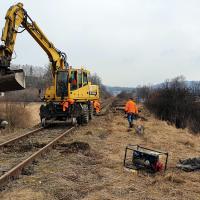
(19, 152)
(105, 106)
(14, 158)
(21, 137)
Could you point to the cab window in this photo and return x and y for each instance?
(85, 78)
(79, 79)
(73, 80)
(61, 84)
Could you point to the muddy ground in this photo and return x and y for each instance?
(88, 165)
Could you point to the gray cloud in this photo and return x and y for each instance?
(126, 42)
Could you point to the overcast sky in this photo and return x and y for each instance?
(126, 42)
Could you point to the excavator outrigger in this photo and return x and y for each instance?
(71, 95)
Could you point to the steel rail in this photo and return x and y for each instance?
(119, 108)
(16, 171)
(19, 137)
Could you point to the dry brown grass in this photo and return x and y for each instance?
(187, 142)
(19, 115)
(19, 118)
(172, 177)
(99, 174)
(26, 194)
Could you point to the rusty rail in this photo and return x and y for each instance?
(104, 107)
(20, 137)
(16, 171)
(119, 108)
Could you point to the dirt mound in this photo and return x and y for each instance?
(75, 147)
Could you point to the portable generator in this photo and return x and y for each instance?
(142, 158)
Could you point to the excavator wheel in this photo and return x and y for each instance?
(43, 115)
(43, 122)
(91, 111)
(74, 121)
(84, 117)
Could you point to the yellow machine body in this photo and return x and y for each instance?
(71, 94)
(82, 91)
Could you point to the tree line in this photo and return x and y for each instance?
(41, 78)
(176, 101)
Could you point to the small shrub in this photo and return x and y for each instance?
(16, 114)
(176, 103)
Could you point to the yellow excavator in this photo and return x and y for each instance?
(71, 96)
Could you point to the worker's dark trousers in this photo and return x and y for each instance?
(130, 117)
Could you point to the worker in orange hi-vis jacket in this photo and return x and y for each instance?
(97, 106)
(65, 105)
(131, 110)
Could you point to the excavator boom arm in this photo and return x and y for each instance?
(17, 17)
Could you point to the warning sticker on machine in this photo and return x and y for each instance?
(92, 90)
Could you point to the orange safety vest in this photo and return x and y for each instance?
(74, 82)
(131, 107)
(97, 106)
(65, 105)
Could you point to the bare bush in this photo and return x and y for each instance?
(2, 111)
(194, 117)
(175, 103)
(27, 95)
(95, 79)
(143, 92)
(17, 115)
(125, 95)
(195, 88)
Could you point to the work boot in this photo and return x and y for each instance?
(130, 125)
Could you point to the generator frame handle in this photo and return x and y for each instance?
(131, 147)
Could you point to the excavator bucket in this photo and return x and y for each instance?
(14, 80)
